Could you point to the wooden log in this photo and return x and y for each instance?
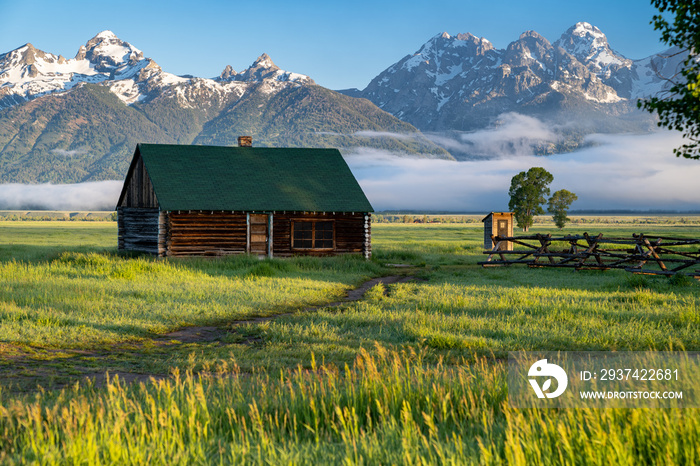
(661, 272)
(653, 252)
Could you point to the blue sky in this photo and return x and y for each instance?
(338, 44)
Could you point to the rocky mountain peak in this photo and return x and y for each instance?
(582, 40)
(590, 46)
(24, 63)
(589, 32)
(25, 55)
(531, 49)
(107, 52)
(532, 35)
(265, 69)
(106, 35)
(264, 61)
(81, 53)
(462, 45)
(29, 54)
(227, 74)
(480, 44)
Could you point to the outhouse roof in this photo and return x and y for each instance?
(496, 213)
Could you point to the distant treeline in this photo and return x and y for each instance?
(631, 219)
(542, 220)
(43, 216)
(398, 218)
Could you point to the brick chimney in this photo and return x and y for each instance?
(245, 141)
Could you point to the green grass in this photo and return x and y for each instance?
(412, 373)
(82, 299)
(390, 408)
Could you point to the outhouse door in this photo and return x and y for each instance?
(502, 230)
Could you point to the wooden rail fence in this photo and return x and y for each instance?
(641, 254)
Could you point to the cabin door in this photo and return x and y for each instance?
(258, 234)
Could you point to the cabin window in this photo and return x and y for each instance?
(312, 234)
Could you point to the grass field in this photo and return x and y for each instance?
(412, 373)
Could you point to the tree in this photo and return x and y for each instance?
(679, 107)
(527, 194)
(559, 206)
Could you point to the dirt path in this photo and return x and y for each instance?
(29, 369)
(210, 334)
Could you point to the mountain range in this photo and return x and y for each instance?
(463, 82)
(79, 119)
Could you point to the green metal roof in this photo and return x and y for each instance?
(251, 179)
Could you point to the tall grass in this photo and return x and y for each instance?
(390, 408)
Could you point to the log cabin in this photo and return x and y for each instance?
(188, 200)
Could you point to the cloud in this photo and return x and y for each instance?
(69, 153)
(374, 134)
(387, 134)
(96, 195)
(512, 135)
(619, 172)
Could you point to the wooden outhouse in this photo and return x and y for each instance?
(498, 224)
(182, 200)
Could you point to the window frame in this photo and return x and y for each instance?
(313, 222)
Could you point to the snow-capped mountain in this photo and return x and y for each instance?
(462, 82)
(27, 73)
(631, 79)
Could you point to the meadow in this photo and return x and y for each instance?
(412, 373)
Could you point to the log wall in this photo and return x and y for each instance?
(488, 231)
(139, 229)
(205, 233)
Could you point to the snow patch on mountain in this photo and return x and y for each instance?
(653, 75)
(127, 90)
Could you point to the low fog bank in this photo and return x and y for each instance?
(96, 195)
(616, 172)
(512, 134)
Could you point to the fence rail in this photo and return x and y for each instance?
(642, 254)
